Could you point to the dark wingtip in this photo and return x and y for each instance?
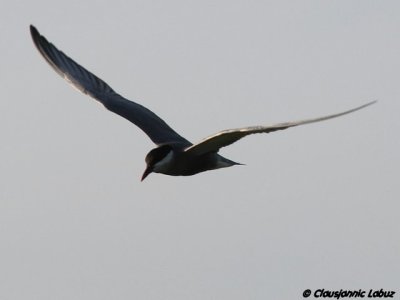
(34, 31)
(35, 36)
(42, 45)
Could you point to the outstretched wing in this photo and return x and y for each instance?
(88, 83)
(226, 137)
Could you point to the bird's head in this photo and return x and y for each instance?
(158, 160)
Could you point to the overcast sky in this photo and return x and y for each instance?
(315, 206)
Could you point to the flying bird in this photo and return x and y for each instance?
(174, 155)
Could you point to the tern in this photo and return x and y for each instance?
(174, 155)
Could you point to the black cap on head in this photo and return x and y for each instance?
(155, 156)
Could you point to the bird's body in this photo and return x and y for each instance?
(174, 155)
(176, 161)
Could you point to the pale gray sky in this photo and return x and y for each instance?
(314, 207)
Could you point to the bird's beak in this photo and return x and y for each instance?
(146, 172)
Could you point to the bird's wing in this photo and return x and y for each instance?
(226, 137)
(88, 83)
